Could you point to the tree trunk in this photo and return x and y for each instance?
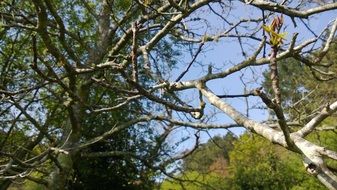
(63, 165)
(4, 184)
(60, 176)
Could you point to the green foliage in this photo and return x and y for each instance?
(196, 181)
(209, 153)
(326, 139)
(206, 167)
(30, 185)
(291, 79)
(123, 4)
(250, 163)
(255, 163)
(119, 172)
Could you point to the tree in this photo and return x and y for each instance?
(249, 162)
(117, 169)
(206, 167)
(66, 65)
(258, 164)
(205, 158)
(195, 180)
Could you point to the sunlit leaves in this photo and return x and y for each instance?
(276, 38)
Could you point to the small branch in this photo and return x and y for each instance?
(274, 77)
(187, 152)
(289, 124)
(113, 130)
(326, 76)
(173, 21)
(314, 122)
(197, 125)
(200, 113)
(128, 99)
(134, 52)
(148, 94)
(147, 63)
(329, 153)
(280, 117)
(36, 124)
(326, 47)
(327, 128)
(237, 95)
(42, 31)
(109, 64)
(210, 38)
(192, 61)
(248, 62)
(109, 154)
(175, 5)
(59, 150)
(275, 7)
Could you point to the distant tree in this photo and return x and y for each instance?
(257, 164)
(206, 168)
(197, 181)
(215, 151)
(250, 163)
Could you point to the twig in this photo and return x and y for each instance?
(134, 52)
(192, 61)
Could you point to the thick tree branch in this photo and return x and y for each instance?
(280, 117)
(275, 7)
